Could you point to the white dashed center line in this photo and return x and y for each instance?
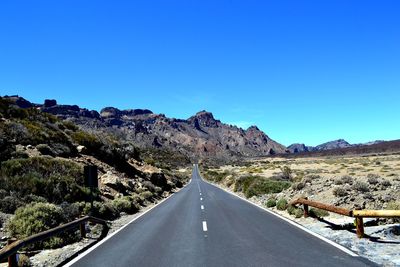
(202, 207)
(204, 226)
(201, 199)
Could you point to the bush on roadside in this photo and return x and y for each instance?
(297, 212)
(105, 211)
(263, 185)
(125, 204)
(271, 203)
(38, 217)
(146, 195)
(318, 213)
(56, 180)
(282, 204)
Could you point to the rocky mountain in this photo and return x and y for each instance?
(298, 148)
(336, 144)
(200, 136)
(340, 143)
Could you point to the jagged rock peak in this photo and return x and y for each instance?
(204, 118)
(204, 115)
(253, 128)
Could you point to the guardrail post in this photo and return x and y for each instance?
(82, 228)
(305, 207)
(12, 259)
(360, 227)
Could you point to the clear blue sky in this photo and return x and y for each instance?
(303, 71)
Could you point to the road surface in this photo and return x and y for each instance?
(202, 225)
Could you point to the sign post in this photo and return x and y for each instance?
(91, 181)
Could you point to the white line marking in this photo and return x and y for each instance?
(204, 226)
(342, 248)
(201, 199)
(112, 234)
(200, 194)
(202, 207)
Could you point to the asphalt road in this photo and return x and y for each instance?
(202, 225)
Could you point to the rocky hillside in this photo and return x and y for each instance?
(198, 137)
(41, 167)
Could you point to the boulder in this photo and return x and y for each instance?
(81, 149)
(111, 180)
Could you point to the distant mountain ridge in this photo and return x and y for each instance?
(200, 136)
(335, 144)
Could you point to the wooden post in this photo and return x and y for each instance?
(82, 228)
(12, 259)
(360, 227)
(305, 207)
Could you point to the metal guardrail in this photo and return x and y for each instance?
(10, 251)
(357, 214)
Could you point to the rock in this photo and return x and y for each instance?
(111, 180)
(50, 103)
(81, 149)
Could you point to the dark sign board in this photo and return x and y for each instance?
(91, 180)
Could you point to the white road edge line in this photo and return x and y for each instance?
(202, 207)
(204, 226)
(342, 248)
(73, 261)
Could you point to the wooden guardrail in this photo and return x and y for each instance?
(10, 251)
(357, 214)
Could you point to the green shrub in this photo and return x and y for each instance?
(347, 179)
(287, 173)
(271, 203)
(385, 183)
(91, 142)
(105, 210)
(372, 179)
(146, 195)
(297, 212)
(35, 218)
(260, 185)
(10, 203)
(45, 149)
(318, 213)
(361, 186)
(54, 179)
(298, 186)
(340, 192)
(125, 204)
(281, 204)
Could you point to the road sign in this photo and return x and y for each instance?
(91, 179)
